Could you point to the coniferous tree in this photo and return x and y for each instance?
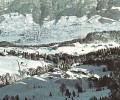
(34, 86)
(67, 92)
(93, 98)
(115, 84)
(33, 96)
(72, 98)
(104, 70)
(69, 96)
(73, 93)
(6, 97)
(17, 97)
(65, 98)
(50, 94)
(12, 98)
(25, 98)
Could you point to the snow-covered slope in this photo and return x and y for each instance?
(22, 30)
(41, 86)
(25, 88)
(46, 21)
(12, 66)
(35, 22)
(76, 49)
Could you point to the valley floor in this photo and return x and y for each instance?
(38, 87)
(31, 86)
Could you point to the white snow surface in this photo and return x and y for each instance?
(117, 8)
(22, 30)
(26, 88)
(9, 64)
(77, 49)
(89, 70)
(18, 27)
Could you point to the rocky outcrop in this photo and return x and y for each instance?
(54, 9)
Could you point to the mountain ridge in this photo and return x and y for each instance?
(47, 21)
(51, 9)
(93, 37)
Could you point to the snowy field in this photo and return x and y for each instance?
(77, 49)
(97, 70)
(22, 30)
(9, 64)
(41, 86)
(25, 88)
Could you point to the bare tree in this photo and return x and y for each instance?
(62, 88)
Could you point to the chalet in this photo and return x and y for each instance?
(80, 71)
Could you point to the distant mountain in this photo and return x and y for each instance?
(93, 37)
(34, 22)
(54, 9)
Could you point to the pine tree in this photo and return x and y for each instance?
(25, 98)
(115, 84)
(6, 97)
(50, 94)
(34, 86)
(17, 97)
(104, 70)
(73, 93)
(33, 96)
(72, 98)
(65, 98)
(69, 96)
(93, 98)
(12, 98)
(67, 92)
